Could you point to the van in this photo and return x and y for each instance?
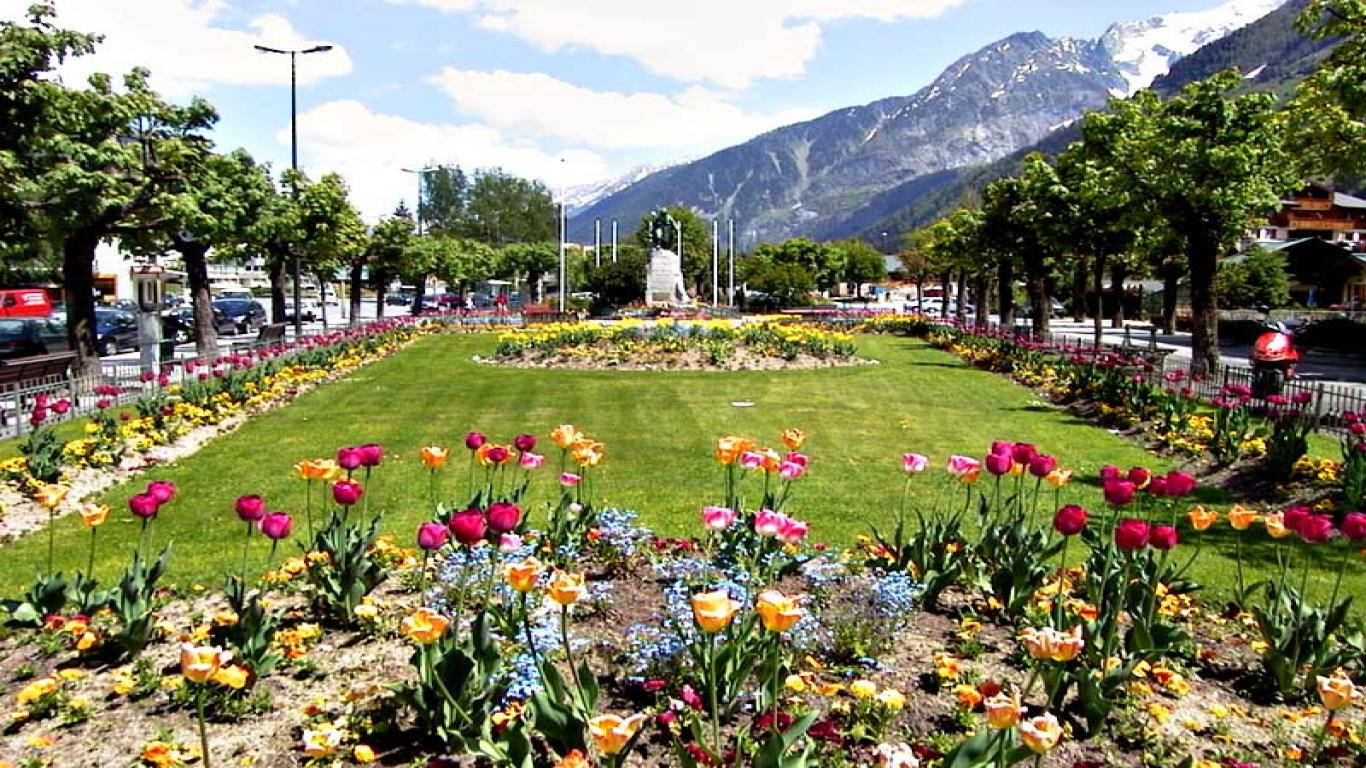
(25, 302)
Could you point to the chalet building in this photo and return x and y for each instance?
(1317, 211)
(1322, 233)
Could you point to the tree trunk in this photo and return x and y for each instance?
(1203, 254)
(1118, 271)
(356, 287)
(920, 294)
(944, 280)
(322, 300)
(1079, 290)
(379, 300)
(275, 267)
(533, 280)
(1171, 287)
(1099, 288)
(1038, 303)
(78, 271)
(962, 312)
(980, 287)
(1005, 293)
(197, 275)
(419, 291)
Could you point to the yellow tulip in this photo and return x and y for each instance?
(610, 733)
(1338, 691)
(94, 515)
(863, 689)
(424, 626)
(434, 456)
(565, 588)
(1003, 711)
(1241, 518)
(565, 435)
(587, 452)
(1201, 519)
(363, 754)
(318, 469)
(1041, 733)
(199, 663)
(1275, 524)
(522, 576)
(50, 495)
(232, 676)
(713, 610)
(891, 699)
(778, 611)
(1059, 478)
(794, 439)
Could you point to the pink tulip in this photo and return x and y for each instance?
(1070, 520)
(963, 465)
(1131, 534)
(791, 470)
(797, 457)
(1042, 464)
(276, 525)
(348, 458)
(509, 542)
(503, 516)
(569, 479)
(531, 460)
(468, 526)
(751, 460)
(1118, 492)
(250, 509)
(1109, 472)
(1316, 529)
(999, 463)
(717, 518)
(1296, 516)
(347, 492)
(144, 505)
(431, 536)
(1164, 537)
(914, 462)
(793, 531)
(768, 523)
(1354, 526)
(475, 439)
(524, 443)
(1002, 446)
(61, 406)
(161, 490)
(1022, 453)
(371, 454)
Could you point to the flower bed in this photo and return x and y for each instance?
(1000, 625)
(666, 344)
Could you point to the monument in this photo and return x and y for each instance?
(664, 277)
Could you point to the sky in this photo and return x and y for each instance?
(566, 91)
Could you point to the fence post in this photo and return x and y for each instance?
(1128, 342)
(1318, 405)
(1152, 338)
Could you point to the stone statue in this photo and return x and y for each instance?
(664, 279)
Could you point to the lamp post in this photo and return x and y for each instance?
(417, 215)
(294, 148)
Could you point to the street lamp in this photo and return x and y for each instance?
(421, 172)
(294, 149)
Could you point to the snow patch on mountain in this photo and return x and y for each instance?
(579, 197)
(1145, 50)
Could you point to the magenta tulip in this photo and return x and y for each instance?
(1164, 537)
(1180, 484)
(999, 463)
(498, 454)
(347, 492)
(1316, 529)
(250, 509)
(371, 454)
(1354, 526)
(1131, 534)
(276, 525)
(431, 536)
(1023, 453)
(1118, 492)
(475, 439)
(524, 442)
(503, 516)
(1296, 516)
(1042, 464)
(144, 505)
(1140, 477)
(1158, 487)
(468, 527)
(161, 490)
(1002, 446)
(1070, 520)
(348, 458)
(1110, 472)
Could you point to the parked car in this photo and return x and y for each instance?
(26, 336)
(178, 324)
(25, 302)
(1056, 307)
(115, 330)
(398, 299)
(247, 315)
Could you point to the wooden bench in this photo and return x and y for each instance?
(269, 335)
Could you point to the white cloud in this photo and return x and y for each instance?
(537, 104)
(370, 149)
(184, 45)
(727, 42)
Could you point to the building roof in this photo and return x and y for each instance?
(1347, 201)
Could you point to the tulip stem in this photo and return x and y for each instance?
(1342, 565)
(526, 626)
(569, 658)
(308, 508)
(1238, 551)
(1062, 579)
(142, 538)
(246, 541)
(203, 730)
(51, 535)
(1323, 734)
(711, 695)
(90, 561)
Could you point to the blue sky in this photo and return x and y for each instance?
(570, 91)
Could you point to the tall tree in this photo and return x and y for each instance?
(274, 231)
(331, 233)
(386, 249)
(860, 263)
(1329, 111)
(445, 200)
(535, 260)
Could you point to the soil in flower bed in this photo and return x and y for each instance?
(690, 360)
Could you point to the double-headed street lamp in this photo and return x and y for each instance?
(294, 150)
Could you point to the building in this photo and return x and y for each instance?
(1317, 211)
(1322, 233)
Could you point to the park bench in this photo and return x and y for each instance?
(269, 335)
(27, 373)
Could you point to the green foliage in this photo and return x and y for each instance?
(135, 602)
(777, 286)
(1302, 639)
(616, 284)
(349, 573)
(251, 636)
(1329, 112)
(696, 255)
(1258, 279)
(43, 454)
(824, 262)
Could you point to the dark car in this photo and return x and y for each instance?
(399, 299)
(178, 324)
(246, 315)
(25, 336)
(115, 329)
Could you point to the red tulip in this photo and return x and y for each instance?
(1131, 534)
(161, 490)
(1002, 446)
(1022, 453)
(1354, 526)
(1118, 492)
(690, 697)
(276, 525)
(1158, 487)
(370, 454)
(1070, 520)
(524, 443)
(468, 526)
(144, 505)
(250, 509)
(1110, 472)
(474, 439)
(431, 536)
(1164, 537)
(1316, 529)
(347, 492)
(1140, 477)
(1041, 464)
(498, 454)
(503, 516)
(998, 463)
(1180, 484)
(1296, 516)
(348, 458)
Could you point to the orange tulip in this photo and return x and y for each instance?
(1241, 517)
(565, 588)
(522, 576)
(318, 469)
(778, 611)
(424, 626)
(713, 611)
(94, 515)
(1338, 691)
(1275, 524)
(199, 663)
(1003, 711)
(434, 456)
(610, 733)
(587, 452)
(575, 759)
(794, 439)
(729, 448)
(1048, 643)
(565, 435)
(1059, 478)
(50, 495)
(1041, 733)
(1201, 519)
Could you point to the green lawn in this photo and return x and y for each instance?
(659, 429)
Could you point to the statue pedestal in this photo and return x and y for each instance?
(664, 280)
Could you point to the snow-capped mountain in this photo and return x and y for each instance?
(578, 197)
(1145, 50)
(840, 172)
